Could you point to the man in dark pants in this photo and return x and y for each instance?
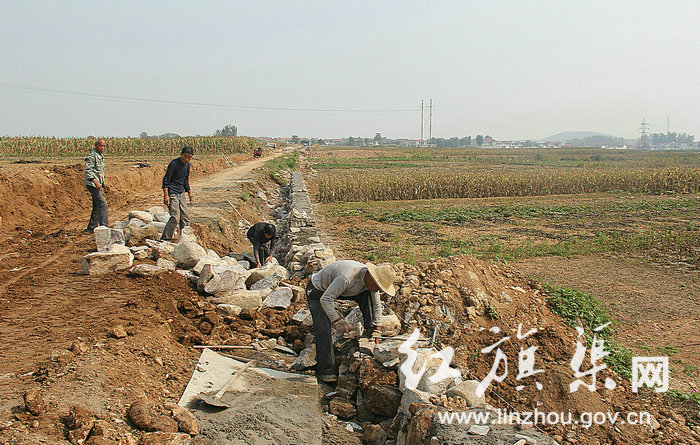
(175, 183)
(95, 183)
(345, 280)
(262, 235)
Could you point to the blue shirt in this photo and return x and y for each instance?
(177, 177)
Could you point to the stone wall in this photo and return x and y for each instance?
(301, 249)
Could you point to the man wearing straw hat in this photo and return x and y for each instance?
(345, 280)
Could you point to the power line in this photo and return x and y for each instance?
(51, 91)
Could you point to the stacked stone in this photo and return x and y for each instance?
(390, 398)
(302, 249)
(230, 284)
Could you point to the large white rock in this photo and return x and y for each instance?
(387, 351)
(121, 224)
(229, 309)
(210, 258)
(155, 210)
(265, 271)
(106, 237)
(147, 270)
(323, 257)
(135, 222)
(165, 264)
(204, 261)
(102, 236)
(280, 298)
(391, 325)
(158, 225)
(306, 359)
(137, 236)
(467, 391)
(212, 254)
(188, 254)
(119, 257)
(162, 249)
(245, 299)
(143, 216)
(140, 252)
(270, 282)
(231, 261)
(432, 362)
(187, 235)
(304, 317)
(226, 281)
(163, 217)
(215, 279)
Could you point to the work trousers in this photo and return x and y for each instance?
(179, 215)
(325, 354)
(98, 217)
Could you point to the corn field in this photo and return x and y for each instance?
(443, 183)
(35, 147)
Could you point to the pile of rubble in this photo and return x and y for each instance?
(393, 387)
(229, 281)
(168, 424)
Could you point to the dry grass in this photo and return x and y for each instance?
(436, 183)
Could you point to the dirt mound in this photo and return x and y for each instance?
(58, 335)
(48, 196)
(460, 299)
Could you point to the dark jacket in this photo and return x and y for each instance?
(177, 177)
(256, 235)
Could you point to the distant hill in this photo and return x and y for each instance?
(570, 135)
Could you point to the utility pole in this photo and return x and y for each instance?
(668, 124)
(430, 132)
(644, 137)
(421, 122)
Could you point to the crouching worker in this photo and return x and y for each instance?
(262, 235)
(345, 280)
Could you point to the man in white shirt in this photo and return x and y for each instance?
(345, 280)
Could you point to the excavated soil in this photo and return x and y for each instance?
(517, 301)
(57, 324)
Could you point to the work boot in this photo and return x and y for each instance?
(327, 378)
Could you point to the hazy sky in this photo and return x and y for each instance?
(510, 69)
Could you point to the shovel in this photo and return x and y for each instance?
(215, 400)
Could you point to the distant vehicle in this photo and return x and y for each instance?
(271, 145)
(305, 143)
(258, 152)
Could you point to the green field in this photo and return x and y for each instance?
(506, 205)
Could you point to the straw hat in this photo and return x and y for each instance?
(384, 276)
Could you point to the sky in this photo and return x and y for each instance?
(331, 69)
